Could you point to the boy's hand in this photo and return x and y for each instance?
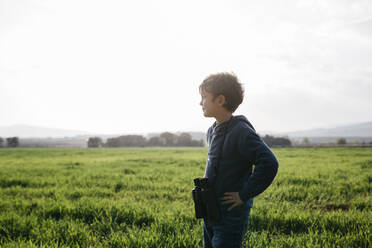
(232, 197)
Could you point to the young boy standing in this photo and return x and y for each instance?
(234, 147)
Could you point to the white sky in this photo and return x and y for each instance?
(135, 66)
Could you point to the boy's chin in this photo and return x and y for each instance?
(207, 115)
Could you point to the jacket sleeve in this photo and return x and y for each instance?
(251, 146)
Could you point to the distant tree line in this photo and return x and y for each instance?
(341, 141)
(164, 139)
(9, 142)
(272, 141)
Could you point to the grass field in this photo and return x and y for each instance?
(142, 198)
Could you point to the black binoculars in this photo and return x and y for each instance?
(205, 199)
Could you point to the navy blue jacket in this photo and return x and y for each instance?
(242, 148)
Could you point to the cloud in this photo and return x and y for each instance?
(363, 28)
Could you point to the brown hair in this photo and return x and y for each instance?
(226, 84)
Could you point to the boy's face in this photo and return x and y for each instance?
(211, 108)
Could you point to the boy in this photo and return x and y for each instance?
(234, 147)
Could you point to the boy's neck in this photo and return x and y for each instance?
(225, 116)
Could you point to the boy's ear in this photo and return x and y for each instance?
(221, 100)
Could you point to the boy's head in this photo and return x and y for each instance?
(223, 87)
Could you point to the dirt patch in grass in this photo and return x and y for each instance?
(331, 207)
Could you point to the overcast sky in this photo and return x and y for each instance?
(135, 66)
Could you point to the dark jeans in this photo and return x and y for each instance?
(228, 232)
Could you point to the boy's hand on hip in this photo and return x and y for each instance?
(231, 197)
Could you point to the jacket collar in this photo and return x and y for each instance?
(222, 127)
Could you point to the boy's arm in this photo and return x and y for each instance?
(266, 165)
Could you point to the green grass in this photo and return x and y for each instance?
(321, 197)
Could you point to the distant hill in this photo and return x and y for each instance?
(30, 134)
(27, 131)
(355, 130)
